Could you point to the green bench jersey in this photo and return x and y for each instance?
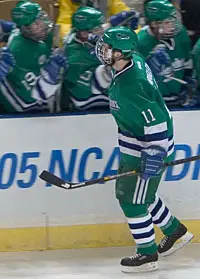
(21, 89)
(79, 80)
(178, 49)
(196, 60)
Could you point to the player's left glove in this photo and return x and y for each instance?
(102, 79)
(6, 28)
(158, 61)
(7, 62)
(152, 159)
(126, 18)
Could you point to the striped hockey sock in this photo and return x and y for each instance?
(162, 217)
(142, 230)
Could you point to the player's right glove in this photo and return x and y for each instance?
(92, 40)
(152, 159)
(7, 62)
(6, 28)
(54, 70)
(160, 63)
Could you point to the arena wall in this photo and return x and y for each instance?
(37, 216)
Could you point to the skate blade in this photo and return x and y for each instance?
(148, 267)
(185, 239)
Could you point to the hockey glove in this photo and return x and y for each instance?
(102, 79)
(126, 18)
(152, 159)
(53, 72)
(6, 28)
(7, 62)
(92, 40)
(158, 61)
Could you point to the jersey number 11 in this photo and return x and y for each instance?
(148, 116)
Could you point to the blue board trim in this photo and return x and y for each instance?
(75, 113)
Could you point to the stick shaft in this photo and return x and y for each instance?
(178, 80)
(56, 35)
(53, 179)
(182, 161)
(134, 172)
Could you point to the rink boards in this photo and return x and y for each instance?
(38, 216)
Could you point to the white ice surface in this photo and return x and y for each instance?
(95, 264)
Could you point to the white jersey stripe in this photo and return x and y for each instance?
(163, 143)
(159, 128)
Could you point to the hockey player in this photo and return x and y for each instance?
(37, 74)
(86, 81)
(190, 14)
(165, 45)
(68, 7)
(145, 133)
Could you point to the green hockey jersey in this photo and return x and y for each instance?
(21, 91)
(81, 80)
(140, 112)
(196, 61)
(178, 49)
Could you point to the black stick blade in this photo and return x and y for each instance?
(51, 178)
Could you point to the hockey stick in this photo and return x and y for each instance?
(56, 42)
(125, 22)
(181, 81)
(57, 181)
(56, 35)
(188, 87)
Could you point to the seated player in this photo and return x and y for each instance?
(145, 133)
(86, 81)
(68, 7)
(190, 14)
(36, 74)
(165, 45)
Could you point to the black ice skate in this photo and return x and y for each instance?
(139, 263)
(168, 244)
